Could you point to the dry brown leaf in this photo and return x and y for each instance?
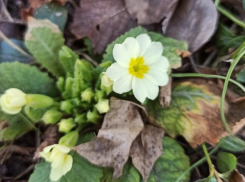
(146, 149)
(150, 11)
(101, 21)
(111, 147)
(236, 177)
(165, 94)
(194, 22)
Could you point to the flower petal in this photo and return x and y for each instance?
(161, 77)
(8, 110)
(46, 156)
(115, 71)
(121, 56)
(58, 160)
(123, 84)
(144, 41)
(56, 173)
(63, 148)
(143, 88)
(67, 164)
(162, 65)
(48, 148)
(132, 47)
(153, 53)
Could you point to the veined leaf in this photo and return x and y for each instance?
(232, 144)
(170, 46)
(44, 41)
(29, 80)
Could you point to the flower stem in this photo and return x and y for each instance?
(233, 65)
(180, 75)
(217, 2)
(196, 164)
(210, 164)
(230, 16)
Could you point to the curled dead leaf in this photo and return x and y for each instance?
(146, 149)
(101, 21)
(111, 147)
(195, 112)
(150, 11)
(194, 22)
(236, 177)
(165, 94)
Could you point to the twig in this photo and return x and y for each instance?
(89, 59)
(24, 172)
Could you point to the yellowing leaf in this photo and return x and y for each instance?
(195, 113)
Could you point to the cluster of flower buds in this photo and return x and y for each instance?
(84, 96)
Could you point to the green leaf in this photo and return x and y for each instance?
(44, 44)
(68, 59)
(9, 54)
(226, 162)
(189, 101)
(54, 12)
(241, 76)
(30, 80)
(232, 144)
(26, 78)
(171, 164)
(170, 45)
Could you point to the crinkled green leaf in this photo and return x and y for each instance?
(186, 114)
(30, 80)
(9, 54)
(232, 144)
(170, 45)
(68, 59)
(26, 78)
(54, 12)
(81, 171)
(171, 164)
(45, 46)
(226, 162)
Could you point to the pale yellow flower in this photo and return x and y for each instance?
(13, 100)
(102, 106)
(139, 66)
(61, 161)
(105, 80)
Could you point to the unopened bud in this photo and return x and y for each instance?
(103, 106)
(52, 116)
(80, 118)
(66, 125)
(87, 95)
(66, 106)
(60, 84)
(70, 139)
(93, 116)
(106, 64)
(99, 94)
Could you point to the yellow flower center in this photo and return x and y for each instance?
(137, 67)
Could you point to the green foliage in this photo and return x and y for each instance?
(9, 54)
(26, 78)
(226, 162)
(241, 75)
(45, 45)
(232, 144)
(171, 164)
(185, 97)
(81, 171)
(54, 12)
(170, 45)
(67, 59)
(29, 80)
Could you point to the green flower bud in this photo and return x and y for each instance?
(76, 101)
(103, 106)
(106, 64)
(37, 101)
(70, 139)
(66, 106)
(68, 86)
(106, 83)
(52, 116)
(60, 84)
(93, 116)
(87, 95)
(99, 94)
(86, 105)
(80, 118)
(66, 125)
